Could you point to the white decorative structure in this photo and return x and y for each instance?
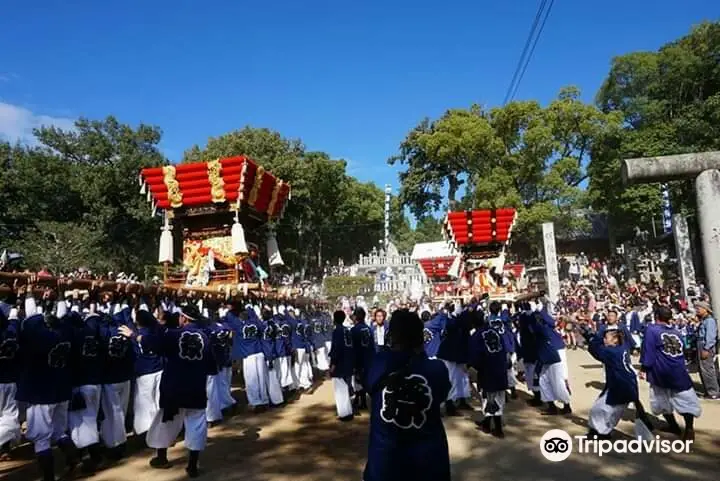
(274, 257)
(551, 265)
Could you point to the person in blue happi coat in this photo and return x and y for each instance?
(662, 363)
(453, 351)
(269, 343)
(9, 369)
(489, 356)
(528, 352)
(318, 342)
(88, 366)
(621, 387)
(500, 320)
(117, 375)
(433, 331)
(148, 372)
(45, 379)
(302, 368)
(283, 350)
(220, 337)
(342, 366)
(552, 380)
(183, 386)
(364, 354)
(407, 437)
(637, 328)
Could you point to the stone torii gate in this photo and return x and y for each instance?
(705, 167)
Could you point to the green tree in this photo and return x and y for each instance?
(79, 187)
(670, 104)
(520, 155)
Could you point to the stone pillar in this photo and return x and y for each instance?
(551, 268)
(707, 188)
(684, 253)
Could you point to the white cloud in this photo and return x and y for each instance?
(17, 123)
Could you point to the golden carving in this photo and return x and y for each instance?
(217, 184)
(259, 175)
(173, 186)
(275, 194)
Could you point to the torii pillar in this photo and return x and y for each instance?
(705, 167)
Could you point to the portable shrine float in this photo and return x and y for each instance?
(480, 237)
(224, 210)
(440, 267)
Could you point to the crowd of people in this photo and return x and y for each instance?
(77, 369)
(428, 360)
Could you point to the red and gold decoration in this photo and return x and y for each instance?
(222, 191)
(218, 181)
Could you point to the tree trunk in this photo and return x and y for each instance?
(320, 246)
(453, 186)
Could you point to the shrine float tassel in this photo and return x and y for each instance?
(239, 246)
(166, 244)
(274, 257)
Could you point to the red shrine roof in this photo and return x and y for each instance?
(485, 230)
(436, 268)
(434, 258)
(233, 180)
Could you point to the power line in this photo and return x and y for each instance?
(518, 67)
(532, 50)
(524, 56)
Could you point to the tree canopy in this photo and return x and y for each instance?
(521, 155)
(670, 104)
(71, 200)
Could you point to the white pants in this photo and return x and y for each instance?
(226, 387)
(254, 369)
(511, 372)
(459, 381)
(285, 372)
(46, 424)
(496, 397)
(214, 403)
(83, 423)
(342, 397)
(552, 384)
(665, 401)
(162, 435)
(9, 414)
(603, 418)
(530, 377)
(114, 401)
(328, 346)
(303, 370)
(147, 401)
(321, 355)
(563, 362)
(272, 380)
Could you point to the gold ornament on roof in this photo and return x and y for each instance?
(274, 198)
(217, 184)
(259, 176)
(173, 186)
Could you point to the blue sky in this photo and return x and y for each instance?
(348, 78)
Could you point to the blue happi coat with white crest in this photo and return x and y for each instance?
(407, 437)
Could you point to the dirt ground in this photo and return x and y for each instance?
(303, 442)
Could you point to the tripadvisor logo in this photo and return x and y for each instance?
(557, 445)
